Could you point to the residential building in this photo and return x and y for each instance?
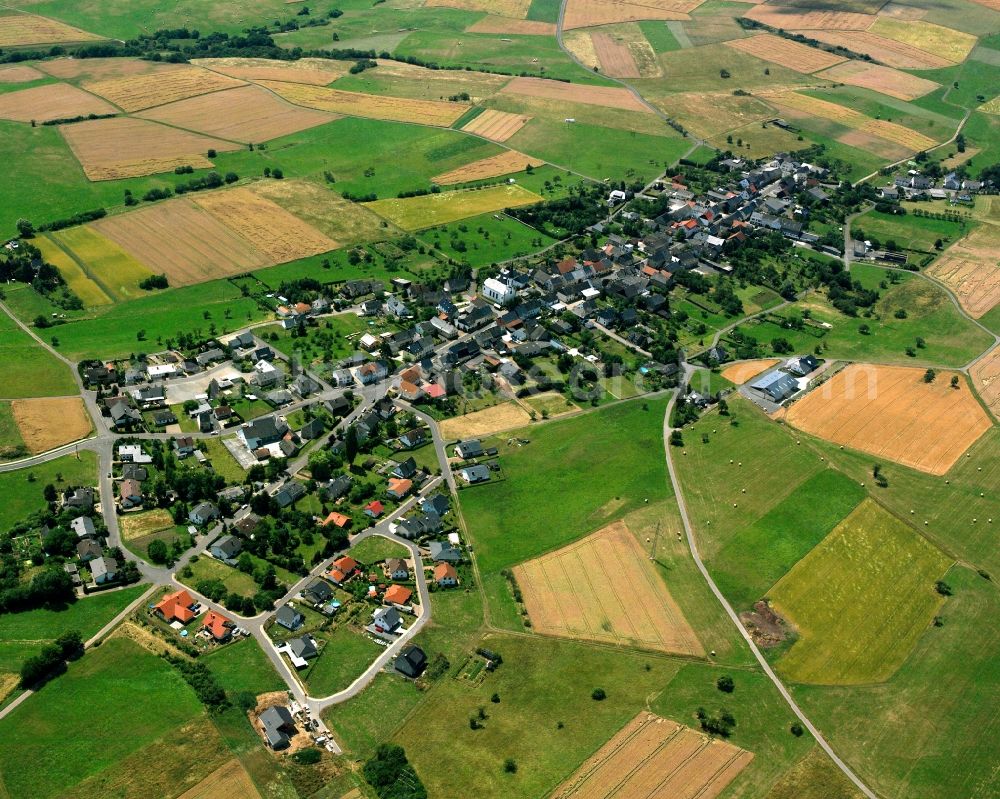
(278, 727)
(217, 626)
(396, 569)
(83, 526)
(475, 474)
(176, 607)
(318, 592)
(104, 570)
(443, 551)
(203, 513)
(387, 621)
(445, 575)
(411, 662)
(226, 548)
(289, 618)
(397, 595)
(473, 448)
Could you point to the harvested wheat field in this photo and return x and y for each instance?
(315, 71)
(266, 225)
(183, 241)
(994, 4)
(792, 18)
(707, 114)
(19, 74)
(786, 53)
(52, 101)
(506, 416)
(740, 373)
(326, 211)
(515, 9)
(886, 80)
(591, 13)
(873, 144)
(944, 42)
(890, 412)
(971, 269)
(103, 68)
(229, 780)
(881, 48)
(517, 27)
(604, 588)
(850, 118)
(246, 114)
(986, 377)
(614, 56)
(17, 29)
(604, 96)
(494, 166)
(49, 423)
(581, 44)
(496, 125)
(137, 92)
(656, 758)
(417, 213)
(374, 106)
(110, 149)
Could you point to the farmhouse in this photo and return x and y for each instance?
(801, 365)
(411, 662)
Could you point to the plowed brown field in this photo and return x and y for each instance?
(590, 13)
(986, 376)
(183, 241)
(971, 269)
(604, 96)
(109, 149)
(615, 57)
(52, 101)
(652, 757)
(246, 114)
(786, 53)
(886, 80)
(138, 92)
(890, 412)
(740, 373)
(496, 125)
(49, 423)
(494, 166)
(604, 588)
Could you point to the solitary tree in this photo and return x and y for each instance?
(929, 376)
(954, 381)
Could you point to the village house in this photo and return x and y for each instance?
(445, 575)
(397, 595)
(218, 627)
(411, 662)
(396, 569)
(176, 607)
(289, 618)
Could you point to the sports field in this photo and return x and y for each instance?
(51, 101)
(860, 600)
(892, 412)
(134, 93)
(651, 757)
(604, 588)
(48, 423)
(491, 167)
(244, 114)
(505, 416)
(415, 213)
(374, 106)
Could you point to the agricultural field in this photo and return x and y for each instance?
(744, 371)
(20, 29)
(138, 92)
(244, 114)
(373, 106)
(588, 13)
(50, 101)
(893, 82)
(623, 51)
(415, 213)
(20, 74)
(787, 53)
(45, 424)
(314, 71)
(230, 779)
(606, 97)
(604, 588)
(111, 149)
(792, 17)
(30, 370)
(104, 263)
(814, 777)
(860, 600)
(496, 125)
(494, 166)
(893, 412)
(969, 268)
(656, 755)
(986, 378)
(582, 460)
(948, 43)
(505, 416)
(499, 24)
(890, 52)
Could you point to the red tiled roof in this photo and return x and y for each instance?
(176, 606)
(346, 563)
(398, 594)
(443, 570)
(399, 486)
(217, 624)
(337, 519)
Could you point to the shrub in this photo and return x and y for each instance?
(796, 730)
(598, 695)
(725, 684)
(510, 766)
(307, 757)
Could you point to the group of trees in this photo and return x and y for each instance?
(391, 775)
(205, 685)
(51, 661)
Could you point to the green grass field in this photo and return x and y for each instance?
(72, 272)
(907, 736)
(242, 666)
(104, 262)
(23, 495)
(860, 600)
(760, 554)
(344, 657)
(486, 239)
(223, 462)
(375, 548)
(575, 476)
(149, 699)
(910, 232)
(11, 443)
(415, 213)
(28, 369)
(814, 777)
(206, 568)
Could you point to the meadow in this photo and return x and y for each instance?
(589, 470)
(375, 548)
(485, 239)
(859, 601)
(243, 666)
(346, 654)
(118, 674)
(22, 489)
(29, 370)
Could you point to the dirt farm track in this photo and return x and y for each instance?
(891, 412)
